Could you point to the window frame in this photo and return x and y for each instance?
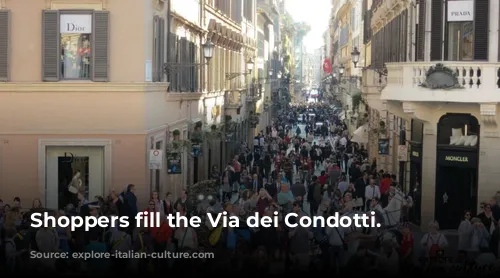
(77, 12)
(460, 41)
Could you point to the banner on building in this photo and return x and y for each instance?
(327, 66)
(174, 163)
(383, 146)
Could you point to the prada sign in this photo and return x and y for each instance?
(466, 159)
(462, 10)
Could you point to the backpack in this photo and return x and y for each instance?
(433, 251)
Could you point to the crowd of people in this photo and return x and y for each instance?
(304, 163)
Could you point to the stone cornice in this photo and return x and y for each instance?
(223, 17)
(87, 87)
(191, 25)
(173, 96)
(386, 12)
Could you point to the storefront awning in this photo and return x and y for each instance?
(360, 136)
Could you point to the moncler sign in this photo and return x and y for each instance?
(460, 10)
(75, 24)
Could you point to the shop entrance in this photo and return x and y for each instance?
(456, 190)
(456, 168)
(62, 163)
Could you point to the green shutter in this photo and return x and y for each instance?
(100, 48)
(51, 48)
(4, 44)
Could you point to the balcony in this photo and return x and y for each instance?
(477, 82)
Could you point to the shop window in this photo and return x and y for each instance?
(458, 130)
(460, 41)
(75, 45)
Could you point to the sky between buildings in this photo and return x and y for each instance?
(316, 14)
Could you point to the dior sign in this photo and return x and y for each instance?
(462, 10)
(75, 24)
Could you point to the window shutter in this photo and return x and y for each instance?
(420, 45)
(182, 60)
(100, 32)
(162, 49)
(156, 46)
(4, 44)
(437, 30)
(51, 53)
(481, 20)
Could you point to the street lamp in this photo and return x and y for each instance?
(232, 75)
(279, 74)
(250, 64)
(208, 52)
(341, 69)
(355, 56)
(270, 72)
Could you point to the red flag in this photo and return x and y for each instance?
(327, 66)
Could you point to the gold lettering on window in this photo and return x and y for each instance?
(463, 159)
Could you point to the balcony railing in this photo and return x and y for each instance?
(480, 82)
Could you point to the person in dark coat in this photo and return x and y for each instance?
(360, 186)
(130, 206)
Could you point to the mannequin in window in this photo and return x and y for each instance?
(84, 56)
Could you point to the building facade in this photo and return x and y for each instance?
(442, 63)
(165, 99)
(63, 109)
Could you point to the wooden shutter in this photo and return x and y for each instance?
(100, 48)
(437, 30)
(420, 39)
(51, 53)
(182, 60)
(156, 46)
(162, 49)
(4, 44)
(481, 29)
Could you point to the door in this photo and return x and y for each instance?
(61, 163)
(455, 193)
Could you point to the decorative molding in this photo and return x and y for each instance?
(442, 74)
(186, 23)
(488, 114)
(68, 4)
(87, 87)
(173, 97)
(106, 144)
(222, 17)
(429, 131)
(408, 107)
(3, 5)
(490, 134)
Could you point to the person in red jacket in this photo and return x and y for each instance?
(323, 178)
(385, 185)
(163, 235)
